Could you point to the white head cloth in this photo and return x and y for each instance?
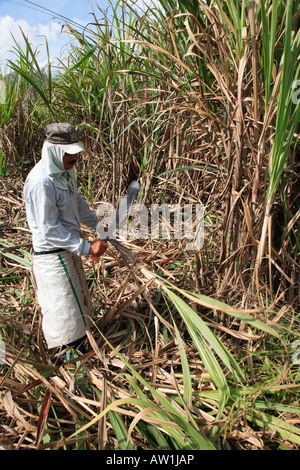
(52, 156)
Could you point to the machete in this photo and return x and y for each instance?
(122, 211)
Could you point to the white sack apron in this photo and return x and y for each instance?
(63, 296)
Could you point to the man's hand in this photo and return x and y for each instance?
(98, 248)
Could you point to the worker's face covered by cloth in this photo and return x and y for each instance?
(60, 153)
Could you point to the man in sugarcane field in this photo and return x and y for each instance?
(55, 211)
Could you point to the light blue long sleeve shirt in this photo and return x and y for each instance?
(54, 215)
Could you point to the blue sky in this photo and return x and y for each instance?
(37, 23)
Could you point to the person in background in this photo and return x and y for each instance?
(55, 211)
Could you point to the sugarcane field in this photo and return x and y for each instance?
(149, 227)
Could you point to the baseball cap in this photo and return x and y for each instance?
(65, 136)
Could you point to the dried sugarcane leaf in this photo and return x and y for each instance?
(43, 416)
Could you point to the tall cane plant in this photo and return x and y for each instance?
(287, 109)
